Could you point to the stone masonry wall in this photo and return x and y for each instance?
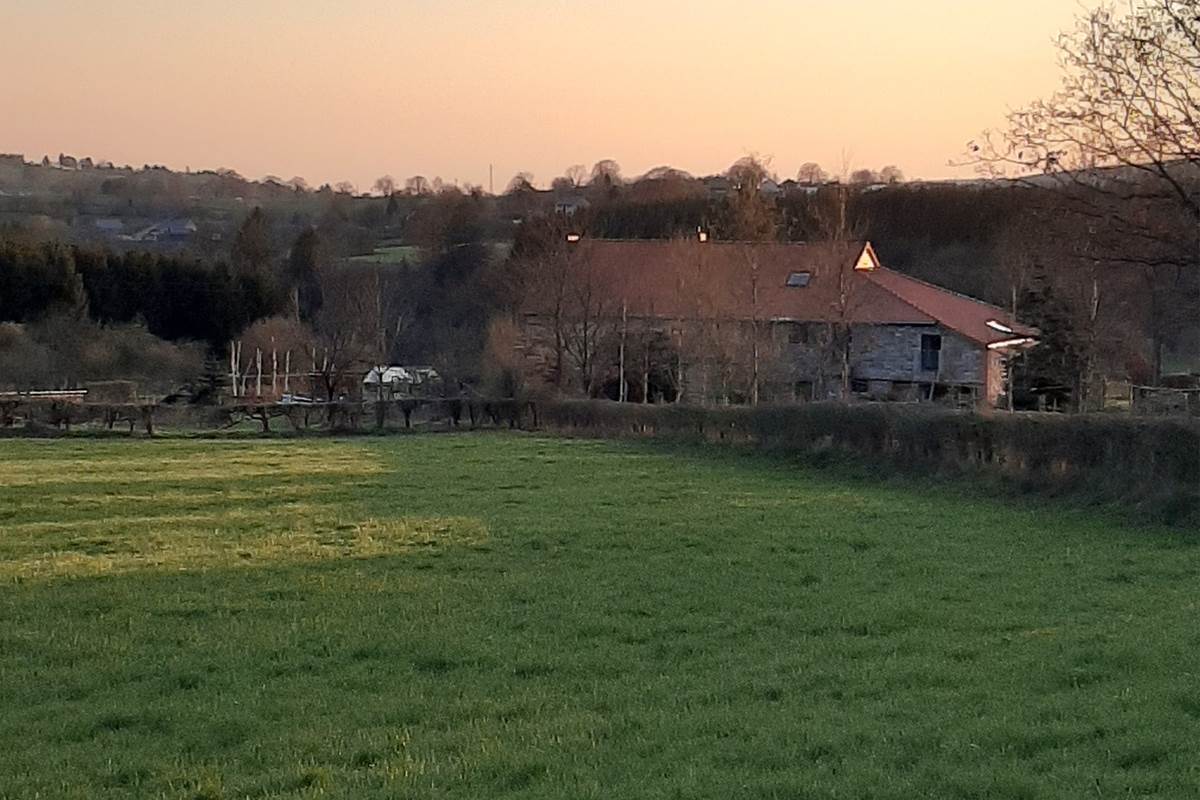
(893, 353)
(879, 353)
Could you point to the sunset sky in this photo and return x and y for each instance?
(353, 89)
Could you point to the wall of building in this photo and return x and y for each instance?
(799, 359)
(893, 353)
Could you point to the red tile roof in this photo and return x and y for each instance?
(687, 279)
(962, 314)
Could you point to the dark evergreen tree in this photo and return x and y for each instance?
(304, 275)
(252, 246)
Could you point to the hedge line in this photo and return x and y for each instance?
(48, 417)
(1150, 463)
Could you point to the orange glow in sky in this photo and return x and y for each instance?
(354, 89)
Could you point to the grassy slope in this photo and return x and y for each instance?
(474, 616)
(392, 254)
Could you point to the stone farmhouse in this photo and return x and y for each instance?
(703, 321)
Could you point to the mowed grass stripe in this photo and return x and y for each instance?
(179, 462)
(288, 518)
(63, 505)
(583, 619)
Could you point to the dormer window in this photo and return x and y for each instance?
(798, 280)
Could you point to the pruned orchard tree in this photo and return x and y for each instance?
(1119, 144)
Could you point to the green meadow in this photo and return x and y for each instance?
(392, 254)
(488, 615)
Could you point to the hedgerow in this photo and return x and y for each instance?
(1151, 464)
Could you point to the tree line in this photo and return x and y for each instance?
(175, 297)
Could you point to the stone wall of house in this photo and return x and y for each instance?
(880, 354)
(800, 358)
(893, 353)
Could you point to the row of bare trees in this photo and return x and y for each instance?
(595, 334)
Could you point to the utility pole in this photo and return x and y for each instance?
(1010, 362)
(623, 390)
(754, 328)
(233, 367)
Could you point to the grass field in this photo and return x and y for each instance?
(489, 615)
(392, 254)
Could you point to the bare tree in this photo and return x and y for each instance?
(521, 182)
(577, 174)
(1119, 144)
(891, 174)
(1129, 99)
(751, 217)
(606, 174)
(586, 319)
(864, 176)
(837, 341)
(347, 328)
(385, 185)
(417, 185)
(811, 173)
(749, 171)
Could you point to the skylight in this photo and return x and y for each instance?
(798, 280)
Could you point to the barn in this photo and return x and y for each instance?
(705, 321)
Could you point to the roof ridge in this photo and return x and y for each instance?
(939, 318)
(944, 290)
(848, 243)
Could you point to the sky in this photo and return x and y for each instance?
(355, 89)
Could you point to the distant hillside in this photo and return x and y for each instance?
(949, 232)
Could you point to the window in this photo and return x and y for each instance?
(931, 351)
(798, 280)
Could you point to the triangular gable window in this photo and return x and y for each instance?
(867, 260)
